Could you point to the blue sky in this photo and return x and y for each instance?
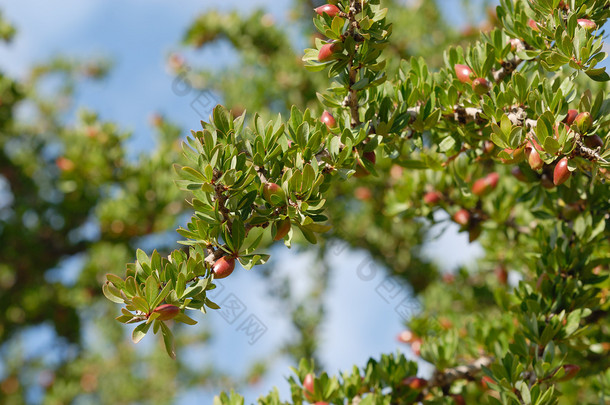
(137, 35)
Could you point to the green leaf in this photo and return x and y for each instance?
(168, 339)
(139, 332)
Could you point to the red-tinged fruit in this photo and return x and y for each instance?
(283, 227)
(329, 9)
(569, 119)
(517, 155)
(534, 160)
(546, 181)
(433, 197)
(360, 169)
(415, 383)
(463, 73)
(485, 380)
(533, 25)
(480, 187)
(363, 193)
(518, 174)
(223, 267)
(561, 173)
(481, 86)
(587, 24)
(166, 312)
(406, 336)
(308, 384)
(594, 142)
(492, 179)
(570, 371)
(416, 347)
(462, 217)
(65, 164)
(583, 122)
(485, 184)
(488, 147)
(501, 274)
(328, 119)
(326, 52)
(474, 232)
(458, 399)
(272, 189)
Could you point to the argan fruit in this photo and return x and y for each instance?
(415, 383)
(223, 267)
(534, 159)
(463, 73)
(485, 379)
(561, 173)
(326, 52)
(328, 119)
(166, 312)
(272, 189)
(329, 9)
(308, 386)
(360, 169)
(570, 371)
(283, 227)
(594, 142)
(569, 119)
(406, 336)
(481, 86)
(587, 24)
(546, 182)
(583, 122)
(501, 274)
(433, 197)
(518, 174)
(64, 164)
(533, 25)
(462, 217)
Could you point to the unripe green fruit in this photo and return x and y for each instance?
(561, 173)
(328, 9)
(583, 122)
(328, 119)
(463, 73)
(326, 52)
(166, 312)
(223, 267)
(283, 227)
(481, 86)
(273, 193)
